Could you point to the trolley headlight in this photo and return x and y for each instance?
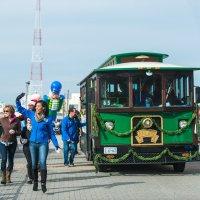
(182, 123)
(109, 125)
(147, 122)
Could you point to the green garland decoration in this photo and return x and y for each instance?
(99, 157)
(94, 125)
(113, 132)
(99, 122)
(178, 131)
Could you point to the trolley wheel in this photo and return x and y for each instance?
(102, 168)
(179, 167)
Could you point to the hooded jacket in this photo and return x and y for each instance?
(42, 130)
(69, 129)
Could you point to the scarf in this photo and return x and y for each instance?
(39, 118)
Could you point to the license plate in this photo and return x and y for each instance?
(110, 150)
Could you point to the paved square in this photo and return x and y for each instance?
(82, 183)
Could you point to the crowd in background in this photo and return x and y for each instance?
(35, 128)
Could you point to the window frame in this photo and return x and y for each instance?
(110, 76)
(130, 108)
(191, 86)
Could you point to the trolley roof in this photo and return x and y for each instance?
(138, 61)
(134, 57)
(145, 66)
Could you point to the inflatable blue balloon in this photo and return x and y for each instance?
(56, 87)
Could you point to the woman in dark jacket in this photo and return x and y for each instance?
(26, 127)
(11, 128)
(41, 133)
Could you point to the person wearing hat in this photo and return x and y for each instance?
(54, 100)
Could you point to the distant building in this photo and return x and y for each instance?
(74, 101)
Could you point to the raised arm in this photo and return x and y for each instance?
(26, 113)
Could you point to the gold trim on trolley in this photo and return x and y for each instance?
(143, 133)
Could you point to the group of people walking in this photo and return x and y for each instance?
(36, 131)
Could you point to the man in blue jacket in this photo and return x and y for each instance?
(70, 136)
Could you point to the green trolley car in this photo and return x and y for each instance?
(140, 110)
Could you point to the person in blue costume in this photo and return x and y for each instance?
(40, 134)
(54, 100)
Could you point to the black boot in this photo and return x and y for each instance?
(43, 173)
(35, 179)
(30, 175)
(35, 186)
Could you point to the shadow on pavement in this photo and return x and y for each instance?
(72, 172)
(78, 178)
(106, 186)
(150, 169)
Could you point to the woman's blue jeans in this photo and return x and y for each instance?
(39, 153)
(68, 152)
(7, 153)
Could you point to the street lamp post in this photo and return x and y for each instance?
(67, 101)
(27, 91)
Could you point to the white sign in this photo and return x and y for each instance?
(110, 150)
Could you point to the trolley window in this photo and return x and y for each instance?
(114, 92)
(147, 90)
(178, 91)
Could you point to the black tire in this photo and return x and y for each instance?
(102, 168)
(179, 167)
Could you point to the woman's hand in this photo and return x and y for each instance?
(20, 96)
(57, 149)
(11, 131)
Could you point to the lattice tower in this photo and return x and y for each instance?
(37, 58)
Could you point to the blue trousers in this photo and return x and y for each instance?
(39, 153)
(69, 149)
(7, 153)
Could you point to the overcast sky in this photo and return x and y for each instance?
(79, 35)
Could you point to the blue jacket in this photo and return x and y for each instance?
(69, 129)
(41, 131)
